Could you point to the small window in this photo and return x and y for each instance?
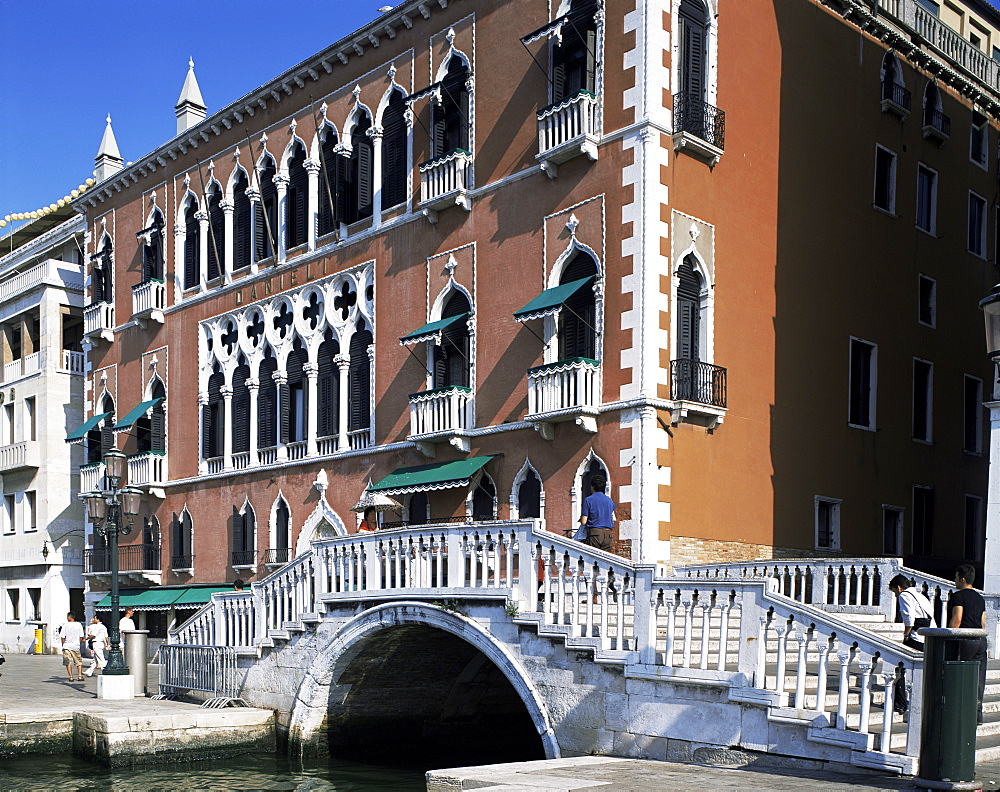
(892, 531)
(923, 520)
(30, 512)
(930, 5)
(861, 405)
(13, 605)
(35, 604)
(979, 138)
(972, 440)
(927, 301)
(8, 424)
(996, 50)
(30, 421)
(926, 199)
(8, 513)
(975, 41)
(974, 544)
(977, 225)
(827, 519)
(885, 180)
(923, 374)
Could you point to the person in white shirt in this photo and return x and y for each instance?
(914, 609)
(97, 637)
(126, 623)
(71, 633)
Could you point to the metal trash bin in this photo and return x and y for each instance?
(39, 647)
(135, 657)
(950, 707)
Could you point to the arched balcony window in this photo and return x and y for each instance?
(242, 223)
(192, 244)
(297, 198)
(452, 356)
(330, 183)
(216, 232)
(213, 417)
(266, 213)
(394, 151)
(359, 382)
(450, 117)
(577, 319)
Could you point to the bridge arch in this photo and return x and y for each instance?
(332, 679)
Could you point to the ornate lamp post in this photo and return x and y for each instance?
(112, 512)
(991, 562)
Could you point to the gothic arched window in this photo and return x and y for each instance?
(578, 317)
(192, 244)
(242, 223)
(297, 198)
(216, 232)
(394, 151)
(450, 117)
(452, 356)
(266, 213)
(359, 382)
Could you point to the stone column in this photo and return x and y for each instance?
(312, 376)
(281, 379)
(229, 241)
(202, 217)
(253, 385)
(312, 202)
(344, 366)
(375, 135)
(281, 232)
(254, 197)
(179, 235)
(227, 423)
(202, 462)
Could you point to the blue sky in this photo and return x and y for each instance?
(66, 64)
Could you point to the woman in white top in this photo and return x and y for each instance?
(97, 638)
(914, 609)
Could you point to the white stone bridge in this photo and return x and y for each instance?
(489, 642)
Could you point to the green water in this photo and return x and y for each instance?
(67, 773)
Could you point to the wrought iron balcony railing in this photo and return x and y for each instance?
(182, 562)
(244, 557)
(131, 558)
(277, 555)
(697, 117)
(896, 97)
(695, 381)
(936, 123)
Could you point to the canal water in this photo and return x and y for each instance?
(66, 773)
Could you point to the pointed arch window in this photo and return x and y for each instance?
(594, 468)
(574, 57)
(181, 556)
(452, 356)
(267, 403)
(152, 249)
(296, 199)
(213, 417)
(693, 377)
(450, 117)
(484, 500)
(244, 536)
(359, 380)
(102, 277)
(895, 96)
(529, 496)
(356, 178)
(101, 439)
(150, 431)
(192, 243)
(578, 316)
(265, 224)
(693, 16)
(294, 407)
(216, 232)
(241, 408)
(689, 311)
(151, 543)
(936, 124)
(330, 183)
(394, 151)
(281, 552)
(328, 387)
(242, 222)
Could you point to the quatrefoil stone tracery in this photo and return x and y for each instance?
(345, 300)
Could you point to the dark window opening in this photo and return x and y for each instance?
(484, 500)
(214, 419)
(922, 374)
(394, 151)
(974, 540)
(885, 179)
(192, 245)
(973, 418)
(529, 497)
(450, 117)
(267, 403)
(266, 213)
(861, 371)
(331, 182)
(355, 191)
(359, 382)
(296, 198)
(216, 232)
(578, 317)
(923, 520)
(693, 18)
(927, 301)
(451, 357)
(328, 387)
(152, 250)
(242, 223)
(574, 60)
(241, 409)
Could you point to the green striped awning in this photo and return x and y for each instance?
(550, 301)
(160, 598)
(196, 597)
(436, 476)
(135, 414)
(78, 434)
(432, 330)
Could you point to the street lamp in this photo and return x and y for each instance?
(991, 560)
(112, 511)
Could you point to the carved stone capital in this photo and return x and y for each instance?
(280, 181)
(227, 205)
(311, 166)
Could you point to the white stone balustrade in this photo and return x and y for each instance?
(24, 367)
(149, 297)
(19, 455)
(441, 411)
(567, 129)
(72, 361)
(444, 182)
(566, 385)
(91, 477)
(147, 469)
(99, 319)
(359, 438)
(51, 272)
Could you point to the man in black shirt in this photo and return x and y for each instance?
(967, 608)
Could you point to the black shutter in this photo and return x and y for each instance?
(364, 164)
(241, 410)
(577, 336)
(590, 73)
(692, 18)
(177, 536)
(688, 309)
(241, 224)
(217, 239)
(239, 537)
(97, 281)
(147, 262)
(191, 248)
(558, 73)
(463, 117)
(438, 126)
(328, 183)
(206, 431)
(260, 233)
(158, 430)
(107, 436)
(394, 152)
(267, 404)
(296, 199)
(360, 382)
(328, 386)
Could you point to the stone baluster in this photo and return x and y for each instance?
(866, 698)
(889, 682)
(706, 624)
(842, 694)
(602, 595)
(781, 630)
(823, 648)
(801, 671)
(727, 606)
(686, 646)
(670, 600)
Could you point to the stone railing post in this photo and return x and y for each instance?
(258, 614)
(644, 629)
(456, 558)
(753, 619)
(527, 566)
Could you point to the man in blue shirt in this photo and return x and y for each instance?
(598, 515)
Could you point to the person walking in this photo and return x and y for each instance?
(914, 609)
(97, 640)
(598, 515)
(71, 633)
(967, 609)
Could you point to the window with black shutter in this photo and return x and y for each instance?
(293, 413)
(330, 183)
(213, 418)
(689, 289)
(282, 528)
(103, 273)
(529, 496)
(358, 187)
(216, 232)
(183, 528)
(574, 59)
(267, 404)
(484, 500)
(328, 387)
(242, 218)
(693, 17)
(266, 213)
(296, 198)
(419, 508)
(192, 244)
(152, 250)
(359, 380)
(241, 409)
(394, 151)
(451, 358)
(244, 536)
(577, 318)
(450, 117)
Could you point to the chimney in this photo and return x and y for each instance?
(109, 159)
(190, 108)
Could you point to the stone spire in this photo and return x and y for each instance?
(190, 107)
(108, 160)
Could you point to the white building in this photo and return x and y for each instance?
(41, 402)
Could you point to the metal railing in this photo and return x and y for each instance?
(564, 385)
(441, 410)
(898, 94)
(131, 558)
(694, 115)
(695, 381)
(207, 669)
(935, 119)
(182, 562)
(277, 555)
(244, 557)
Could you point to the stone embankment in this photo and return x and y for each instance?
(41, 712)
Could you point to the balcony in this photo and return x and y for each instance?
(566, 130)
(148, 301)
(182, 564)
(99, 321)
(51, 272)
(244, 559)
(359, 438)
(24, 367)
(277, 556)
(442, 414)
(444, 182)
(937, 126)
(148, 470)
(72, 362)
(698, 391)
(139, 562)
(895, 99)
(91, 477)
(19, 455)
(699, 128)
(567, 390)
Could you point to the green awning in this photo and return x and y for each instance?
(135, 415)
(437, 476)
(432, 330)
(196, 597)
(163, 598)
(78, 434)
(551, 300)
